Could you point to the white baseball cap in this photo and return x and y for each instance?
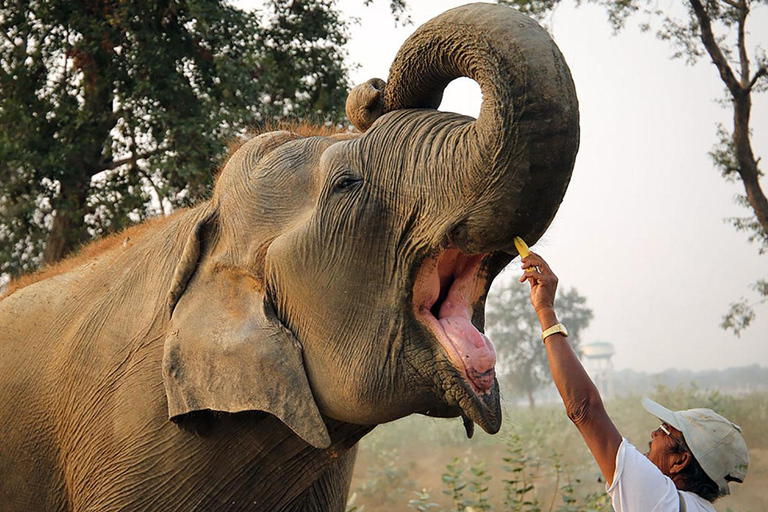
(715, 442)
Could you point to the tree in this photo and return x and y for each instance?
(113, 111)
(513, 326)
(718, 29)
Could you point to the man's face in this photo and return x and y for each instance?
(665, 449)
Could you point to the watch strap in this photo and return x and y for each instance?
(558, 327)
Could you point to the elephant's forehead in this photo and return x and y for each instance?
(295, 164)
(274, 168)
(413, 138)
(336, 153)
(295, 153)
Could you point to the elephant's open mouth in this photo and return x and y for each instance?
(446, 289)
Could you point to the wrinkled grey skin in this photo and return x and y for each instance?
(279, 322)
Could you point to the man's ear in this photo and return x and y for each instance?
(225, 350)
(680, 462)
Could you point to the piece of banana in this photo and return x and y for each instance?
(522, 247)
(522, 250)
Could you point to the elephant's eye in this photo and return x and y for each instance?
(346, 182)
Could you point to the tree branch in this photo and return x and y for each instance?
(710, 43)
(763, 71)
(756, 199)
(134, 165)
(742, 42)
(64, 74)
(151, 183)
(114, 164)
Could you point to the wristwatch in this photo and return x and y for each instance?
(552, 330)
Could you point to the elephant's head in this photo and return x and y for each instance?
(347, 274)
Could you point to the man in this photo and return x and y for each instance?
(693, 455)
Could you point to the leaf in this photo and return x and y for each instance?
(171, 90)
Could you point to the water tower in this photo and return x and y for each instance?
(598, 363)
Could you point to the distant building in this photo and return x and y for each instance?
(598, 363)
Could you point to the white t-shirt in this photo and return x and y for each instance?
(639, 486)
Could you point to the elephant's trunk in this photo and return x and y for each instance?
(523, 145)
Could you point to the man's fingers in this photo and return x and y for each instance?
(532, 277)
(534, 260)
(530, 268)
(537, 278)
(530, 264)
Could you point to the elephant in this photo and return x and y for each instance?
(231, 355)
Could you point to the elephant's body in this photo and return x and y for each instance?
(84, 412)
(231, 356)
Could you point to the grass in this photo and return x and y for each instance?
(537, 463)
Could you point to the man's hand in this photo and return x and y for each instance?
(543, 288)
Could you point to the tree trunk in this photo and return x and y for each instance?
(96, 119)
(69, 230)
(531, 399)
(742, 106)
(741, 92)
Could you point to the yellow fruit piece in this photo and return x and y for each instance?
(522, 250)
(522, 247)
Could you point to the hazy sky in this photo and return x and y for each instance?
(641, 232)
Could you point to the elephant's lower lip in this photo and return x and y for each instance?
(460, 399)
(485, 410)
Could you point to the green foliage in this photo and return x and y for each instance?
(122, 110)
(741, 313)
(478, 487)
(457, 486)
(590, 502)
(454, 484)
(398, 9)
(739, 316)
(751, 227)
(471, 494)
(515, 330)
(519, 486)
(568, 492)
(538, 462)
(422, 502)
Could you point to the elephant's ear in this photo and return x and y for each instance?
(226, 351)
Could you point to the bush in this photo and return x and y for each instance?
(537, 463)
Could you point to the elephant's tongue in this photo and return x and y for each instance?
(474, 348)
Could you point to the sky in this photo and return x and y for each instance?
(641, 232)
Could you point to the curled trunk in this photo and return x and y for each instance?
(523, 144)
